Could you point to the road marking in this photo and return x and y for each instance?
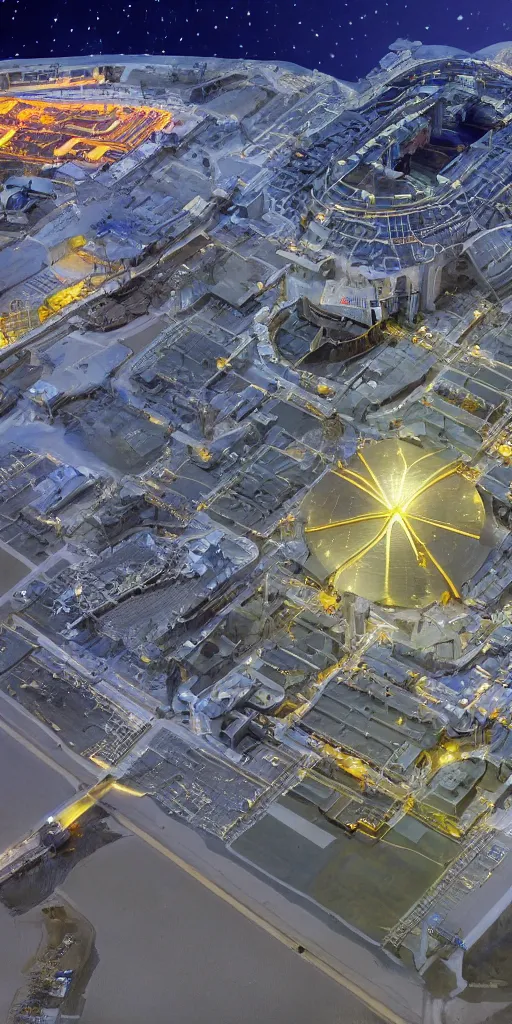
(38, 753)
(373, 1004)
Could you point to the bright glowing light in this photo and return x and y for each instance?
(410, 528)
(40, 130)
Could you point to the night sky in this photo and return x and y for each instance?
(342, 37)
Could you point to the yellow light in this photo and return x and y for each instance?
(72, 812)
(129, 790)
(409, 511)
(7, 136)
(328, 601)
(77, 242)
(99, 761)
(73, 293)
(204, 454)
(452, 746)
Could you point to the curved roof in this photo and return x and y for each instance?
(409, 224)
(398, 525)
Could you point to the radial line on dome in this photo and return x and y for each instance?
(372, 494)
(404, 474)
(395, 513)
(374, 478)
(389, 529)
(408, 534)
(431, 481)
(361, 553)
(434, 561)
(443, 526)
(346, 522)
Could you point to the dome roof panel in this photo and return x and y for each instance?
(399, 525)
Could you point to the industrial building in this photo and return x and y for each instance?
(256, 462)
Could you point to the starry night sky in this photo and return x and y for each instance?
(342, 37)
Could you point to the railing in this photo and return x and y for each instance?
(419, 909)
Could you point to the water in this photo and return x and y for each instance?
(29, 789)
(168, 948)
(19, 939)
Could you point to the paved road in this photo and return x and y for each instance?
(165, 934)
(14, 567)
(29, 789)
(170, 950)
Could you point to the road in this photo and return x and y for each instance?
(14, 567)
(28, 787)
(168, 939)
(172, 950)
(339, 969)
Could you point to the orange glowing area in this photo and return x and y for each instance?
(44, 131)
(66, 82)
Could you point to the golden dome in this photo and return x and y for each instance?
(398, 525)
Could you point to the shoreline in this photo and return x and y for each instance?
(66, 943)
